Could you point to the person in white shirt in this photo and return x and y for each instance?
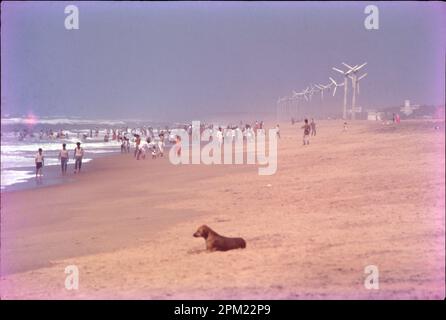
(78, 155)
(144, 148)
(161, 147)
(63, 157)
(39, 162)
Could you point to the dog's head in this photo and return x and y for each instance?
(202, 231)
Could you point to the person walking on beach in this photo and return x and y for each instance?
(178, 145)
(137, 143)
(144, 149)
(78, 155)
(161, 146)
(39, 163)
(345, 126)
(123, 146)
(63, 157)
(313, 127)
(139, 149)
(278, 131)
(307, 129)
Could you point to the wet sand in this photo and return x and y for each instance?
(373, 195)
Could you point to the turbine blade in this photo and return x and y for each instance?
(362, 65)
(332, 81)
(336, 69)
(334, 91)
(362, 77)
(350, 67)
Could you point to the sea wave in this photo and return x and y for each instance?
(57, 121)
(10, 177)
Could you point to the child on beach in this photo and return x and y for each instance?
(39, 162)
(153, 152)
(313, 127)
(63, 157)
(307, 129)
(345, 126)
(78, 155)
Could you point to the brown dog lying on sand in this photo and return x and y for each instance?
(216, 242)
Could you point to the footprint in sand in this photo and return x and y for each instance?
(195, 251)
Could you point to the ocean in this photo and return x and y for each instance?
(21, 137)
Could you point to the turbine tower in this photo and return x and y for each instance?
(322, 87)
(354, 78)
(345, 74)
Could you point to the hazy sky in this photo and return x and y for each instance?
(180, 60)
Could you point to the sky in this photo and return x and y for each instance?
(185, 60)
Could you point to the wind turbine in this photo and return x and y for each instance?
(311, 91)
(335, 84)
(281, 106)
(278, 103)
(307, 94)
(345, 74)
(358, 79)
(354, 78)
(322, 87)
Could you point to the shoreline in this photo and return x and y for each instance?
(345, 201)
(94, 175)
(51, 173)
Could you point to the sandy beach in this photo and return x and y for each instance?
(373, 195)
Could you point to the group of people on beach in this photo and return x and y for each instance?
(148, 141)
(43, 134)
(63, 156)
(148, 146)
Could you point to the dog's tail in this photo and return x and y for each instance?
(243, 243)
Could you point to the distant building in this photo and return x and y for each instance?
(374, 115)
(408, 109)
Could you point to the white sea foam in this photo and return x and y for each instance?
(10, 177)
(18, 162)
